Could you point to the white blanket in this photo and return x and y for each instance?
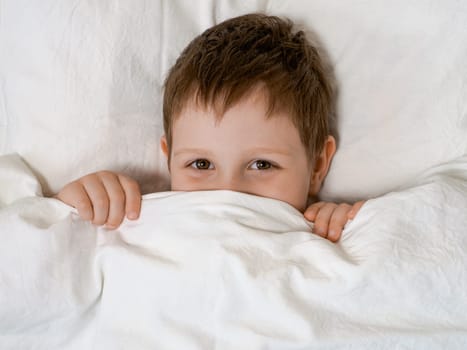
(225, 270)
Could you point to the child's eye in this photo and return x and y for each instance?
(261, 165)
(201, 164)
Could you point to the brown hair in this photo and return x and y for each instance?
(228, 60)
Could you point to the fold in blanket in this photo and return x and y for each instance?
(226, 270)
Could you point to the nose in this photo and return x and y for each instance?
(232, 183)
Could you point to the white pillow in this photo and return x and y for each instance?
(402, 73)
(81, 84)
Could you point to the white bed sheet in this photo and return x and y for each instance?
(225, 270)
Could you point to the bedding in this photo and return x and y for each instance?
(80, 91)
(226, 270)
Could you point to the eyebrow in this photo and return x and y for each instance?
(263, 150)
(266, 150)
(192, 150)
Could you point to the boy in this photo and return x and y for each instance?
(246, 108)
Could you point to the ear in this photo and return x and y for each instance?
(164, 146)
(321, 166)
(165, 150)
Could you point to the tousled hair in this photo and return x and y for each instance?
(227, 61)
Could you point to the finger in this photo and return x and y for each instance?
(311, 212)
(338, 221)
(116, 197)
(132, 197)
(98, 197)
(75, 195)
(322, 219)
(355, 209)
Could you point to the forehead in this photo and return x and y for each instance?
(246, 123)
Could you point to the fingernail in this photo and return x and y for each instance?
(132, 216)
(332, 233)
(110, 227)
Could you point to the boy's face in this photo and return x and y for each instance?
(243, 151)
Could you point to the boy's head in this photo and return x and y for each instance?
(251, 64)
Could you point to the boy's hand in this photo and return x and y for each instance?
(103, 198)
(330, 218)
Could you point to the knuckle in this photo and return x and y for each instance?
(71, 184)
(316, 205)
(128, 182)
(105, 174)
(338, 223)
(86, 178)
(321, 226)
(72, 187)
(82, 204)
(101, 201)
(118, 197)
(335, 226)
(125, 178)
(310, 209)
(328, 207)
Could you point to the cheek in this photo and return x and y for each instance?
(291, 189)
(180, 181)
(296, 196)
(177, 182)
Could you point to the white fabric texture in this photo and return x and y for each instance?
(81, 84)
(226, 270)
(16, 180)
